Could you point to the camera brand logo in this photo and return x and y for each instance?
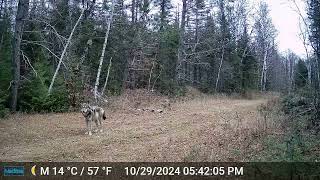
(13, 171)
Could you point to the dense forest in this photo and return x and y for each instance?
(56, 54)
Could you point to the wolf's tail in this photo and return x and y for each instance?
(104, 115)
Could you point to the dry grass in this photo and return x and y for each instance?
(201, 128)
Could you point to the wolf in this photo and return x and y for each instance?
(93, 113)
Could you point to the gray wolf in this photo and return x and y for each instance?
(93, 114)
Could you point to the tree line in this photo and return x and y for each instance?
(56, 54)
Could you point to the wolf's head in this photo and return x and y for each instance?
(86, 109)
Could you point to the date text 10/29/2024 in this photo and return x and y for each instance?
(144, 171)
(185, 171)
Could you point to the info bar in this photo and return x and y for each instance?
(159, 170)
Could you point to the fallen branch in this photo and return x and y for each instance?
(28, 61)
(64, 52)
(220, 66)
(106, 82)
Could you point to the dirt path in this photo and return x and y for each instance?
(202, 129)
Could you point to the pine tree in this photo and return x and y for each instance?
(301, 75)
(314, 14)
(166, 60)
(229, 61)
(164, 13)
(5, 64)
(248, 64)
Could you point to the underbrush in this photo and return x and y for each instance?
(296, 139)
(4, 111)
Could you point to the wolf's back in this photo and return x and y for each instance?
(99, 112)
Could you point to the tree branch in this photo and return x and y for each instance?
(64, 52)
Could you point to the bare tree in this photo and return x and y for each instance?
(263, 80)
(265, 35)
(103, 51)
(304, 34)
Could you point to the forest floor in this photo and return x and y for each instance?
(195, 128)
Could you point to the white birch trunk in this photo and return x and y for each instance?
(64, 52)
(263, 80)
(264, 72)
(107, 78)
(265, 76)
(292, 73)
(309, 67)
(103, 51)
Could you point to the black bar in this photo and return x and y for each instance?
(161, 170)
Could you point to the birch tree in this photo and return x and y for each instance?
(304, 35)
(103, 51)
(265, 35)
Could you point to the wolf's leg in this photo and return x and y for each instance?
(97, 125)
(100, 124)
(87, 125)
(90, 127)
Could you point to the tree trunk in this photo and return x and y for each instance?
(107, 78)
(64, 52)
(291, 72)
(103, 51)
(1, 9)
(309, 67)
(22, 13)
(150, 76)
(264, 72)
(265, 76)
(179, 68)
(133, 6)
(162, 15)
(317, 69)
(197, 25)
(219, 72)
